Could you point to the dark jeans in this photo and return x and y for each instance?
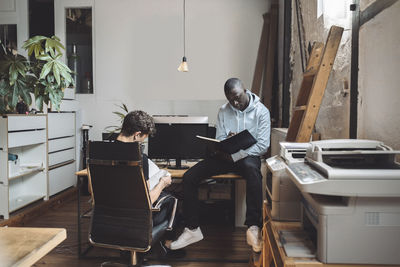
(165, 211)
(248, 167)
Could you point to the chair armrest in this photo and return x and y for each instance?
(155, 209)
(172, 219)
(160, 201)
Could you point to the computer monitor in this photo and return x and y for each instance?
(175, 138)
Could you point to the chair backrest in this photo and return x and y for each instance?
(122, 208)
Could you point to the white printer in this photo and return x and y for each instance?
(351, 200)
(283, 195)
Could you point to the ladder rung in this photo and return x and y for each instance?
(300, 108)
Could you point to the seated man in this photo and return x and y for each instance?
(244, 111)
(136, 127)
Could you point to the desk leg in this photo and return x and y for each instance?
(233, 201)
(79, 184)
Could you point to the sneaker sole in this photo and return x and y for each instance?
(185, 245)
(254, 247)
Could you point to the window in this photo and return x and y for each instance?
(8, 36)
(79, 47)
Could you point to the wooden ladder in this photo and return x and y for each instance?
(312, 89)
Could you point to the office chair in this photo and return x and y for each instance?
(122, 210)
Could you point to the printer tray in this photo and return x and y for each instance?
(297, 244)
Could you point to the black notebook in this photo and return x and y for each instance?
(232, 144)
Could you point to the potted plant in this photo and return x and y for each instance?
(45, 76)
(113, 131)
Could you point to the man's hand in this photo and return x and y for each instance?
(166, 180)
(231, 134)
(223, 156)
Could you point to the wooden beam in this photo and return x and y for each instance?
(262, 51)
(374, 9)
(269, 67)
(315, 57)
(286, 72)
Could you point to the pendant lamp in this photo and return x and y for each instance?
(183, 67)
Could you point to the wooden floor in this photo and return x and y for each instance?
(220, 243)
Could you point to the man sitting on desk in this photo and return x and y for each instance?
(244, 111)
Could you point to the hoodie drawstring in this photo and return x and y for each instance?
(244, 120)
(237, 119)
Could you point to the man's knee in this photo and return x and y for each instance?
(251, 166)
(190, 177)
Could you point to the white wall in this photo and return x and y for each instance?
(138, 47)
(379, 79)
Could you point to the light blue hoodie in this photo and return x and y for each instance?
(255, 118)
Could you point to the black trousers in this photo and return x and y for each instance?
(248, 167)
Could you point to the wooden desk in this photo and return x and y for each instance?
(273, 251)
(23, 246)
(82, 173)
(179, 174)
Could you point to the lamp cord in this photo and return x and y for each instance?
(184, 28)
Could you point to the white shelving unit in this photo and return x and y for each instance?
(26, 137)
(62, 165)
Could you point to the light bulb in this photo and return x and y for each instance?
(183, 67)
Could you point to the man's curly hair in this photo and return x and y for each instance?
(138, 121)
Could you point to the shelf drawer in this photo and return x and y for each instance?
(61, 178)
(62, 143)
(26, 138)
(61, 124)
(18, 123)
(61, 156)
(67, 105)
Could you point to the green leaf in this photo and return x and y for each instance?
(26, 96)
(44, 57)
(55, 99)
(119, 114)
(39, 102)
(46, 69)
(4, 88)
(37, 50)
(30, 50)
(3, 105)
(125, 107)
(56, 73)
(20, 68)
(50, 80)
(62, 65)
(13, 73)
(14, 100)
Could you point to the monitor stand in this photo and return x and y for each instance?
(178, 165)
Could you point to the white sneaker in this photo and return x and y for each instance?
(186, 238)
(253, 237)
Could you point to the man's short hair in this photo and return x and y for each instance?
(138, 121)
(232, 83)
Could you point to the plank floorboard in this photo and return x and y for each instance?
(220, 243)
